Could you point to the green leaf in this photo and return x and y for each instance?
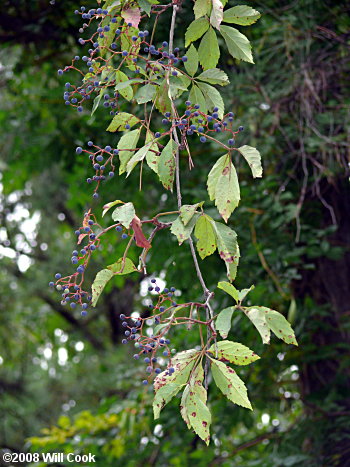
(97, 101)
(145, 93)
(196, 30)
(209, 52)
(121, 267)
(201, 8)
(234, 352)
(124, 214)
(181, 231)
(137, 157)
(280, 327)
(223, 186)
(187, 211)
(253, 157)
(237, 44)
(214, 76)
(257, 316)
(152, 157)
(129, 45)
(120, 120)
(241, 14)
(99, 284)
(108, 206)
(227, 247)
(123, 85)
(146, 5)
(163, 396)
(182, 363)
(205, 234)
(212, 98)
(196, 97)
(230, 384)
(107, 39)
(229, 289)
(162, 101)
(166, 165)
(244, 292)
(128, 141)
(217, 13)
(193, 405)
(223, 321)
(192, 60)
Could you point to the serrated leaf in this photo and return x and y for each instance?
(223, 186)
(101, 279)
(123, 85)
(230, 384)
(217, 13)
(196, 30)
(229, 289)
(241, 14)
(120, 120)
(212, 98)
(214, 76)
(227, 247)
(193, 405)
(182, 363)
(124, 214)
(130, 46)
(223, 321)
(257, 316)
(137, 157)
(107, 39)
(205, 234)
(163, 396)
(187, 211)
(201, 8)
(145, 93)
(192, 60)
(280, 327)
(244, 292)
(196, 97)
(166, 165)
(253, 157)
(152, 157)
(238, 45)
(132, 15)
(234, 352)
(128, 141)
(209, 52)
(181, 231)
(162, 100)
(121, 267)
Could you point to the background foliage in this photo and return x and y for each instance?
(59, 370)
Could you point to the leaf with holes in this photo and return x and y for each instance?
(234, 352)
(124, 214)
(205, 234)
(253, 157)
(230, 384)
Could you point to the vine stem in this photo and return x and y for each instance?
(209, 314)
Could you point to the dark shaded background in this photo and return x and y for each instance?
(57, 369)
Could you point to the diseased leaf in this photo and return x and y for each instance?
(181, 231)
(107, 39)
(212, 98)
(201, 8)
(196, 30)
(123, 85)
(124, 214)
(121, 267)
(128, 141)
(230, 289)
(137, 157)
(223, 321)
(253, 157)
(140, 238)
(217, 13)
(205, 234)
(192, 60)
(244, 292)
(145, 93)
(120, 120)
(257, 316)
(209, 52)
(162, 101)
(223, 186)
(101, 279)
(182, 363)
(241, 14)
(187, 211)
(196, 97)
(108, 206)
(230, 384)
(234, 352)
(132, 15)
(214, 76)
(237, 44)
(166, 165)
(163, 396)
(152, 156)
(227, 247)
(129, 45)
(280, 327)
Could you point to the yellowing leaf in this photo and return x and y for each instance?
(187, 212)
(166, 165)
(234, 352)
(280, 327)
(128, 141)
(227, 247)
(217, 13)
(223, 321)
(99, 284)
(124, 214)
(183, 363)
(120, 120)
(205, 234)
(121, 267)
(152, 156)
(257, 316)
(253, 157)
(230, 289)
(108, 206)
(201, 8)
(181, 231)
